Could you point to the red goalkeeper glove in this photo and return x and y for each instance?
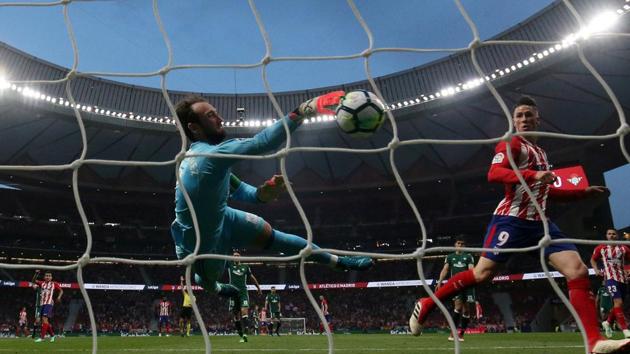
(324, 104)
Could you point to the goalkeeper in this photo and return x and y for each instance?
(209, 183)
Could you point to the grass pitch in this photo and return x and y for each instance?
(504, 343)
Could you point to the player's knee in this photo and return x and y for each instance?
(577, 271)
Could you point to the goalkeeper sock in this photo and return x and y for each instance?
(583, 301)
(292, 244)
(245, 324)
(188, 328)
(239, 328)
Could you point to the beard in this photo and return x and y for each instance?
(216, 137)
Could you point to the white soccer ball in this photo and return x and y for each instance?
(360, 113)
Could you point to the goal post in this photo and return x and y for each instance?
(293, 325)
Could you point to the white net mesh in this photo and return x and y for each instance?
(574, 40)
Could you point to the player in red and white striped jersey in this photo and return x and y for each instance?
(22, 326)
(613, 258)
(323, 305)
(164, 313)
(47, 289)
(515, 224)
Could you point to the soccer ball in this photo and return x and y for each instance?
(360, 113)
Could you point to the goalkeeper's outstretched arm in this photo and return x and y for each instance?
(271, 137)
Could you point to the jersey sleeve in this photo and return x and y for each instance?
(242, 191)
(57, 286)
(471, 260)
(597, 255)
(500, 169)
(265, 141)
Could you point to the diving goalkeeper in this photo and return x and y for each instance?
(210, 182)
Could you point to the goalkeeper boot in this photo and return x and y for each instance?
(611, 346)
(227, 290)
(354, 263)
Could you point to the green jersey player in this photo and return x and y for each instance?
(272, 304)
(462, 303)
(239, 305)
(604, 303)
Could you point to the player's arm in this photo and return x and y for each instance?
(267, 304)
(251, 275)
(34, 280)
(501, 171)
(570, 195)
(181, 285)
(58, 287)
(271, 137)
(268, 191)
(594, 258)
(443, 274)
(471, 262)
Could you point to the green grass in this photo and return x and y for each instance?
(539, 343)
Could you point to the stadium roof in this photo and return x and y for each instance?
(37, 131)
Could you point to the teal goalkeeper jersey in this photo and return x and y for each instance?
(207, 181)
(459, 262)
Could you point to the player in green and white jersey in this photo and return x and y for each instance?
(239, 305)
(604, 303)
(37, 319)
(464, 301)
(272, 304)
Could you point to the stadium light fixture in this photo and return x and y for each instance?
(600, 23)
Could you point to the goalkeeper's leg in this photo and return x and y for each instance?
(251, 230)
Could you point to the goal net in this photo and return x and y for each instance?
(474, 77)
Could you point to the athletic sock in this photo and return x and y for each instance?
(620, 318)
(611, 316)
(583, 301)
(465, 321)
(457, 283)
(245, 324)
(457, 318)
(239, 328)
(44, 330)
(188, 328)
(278, 327)
(292, 244)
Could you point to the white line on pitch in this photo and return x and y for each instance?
(215, 350)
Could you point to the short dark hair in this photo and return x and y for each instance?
(185, 113)
(525, 101)
(460, 239)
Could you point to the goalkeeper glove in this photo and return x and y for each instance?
(324, 104)
(271, 189)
